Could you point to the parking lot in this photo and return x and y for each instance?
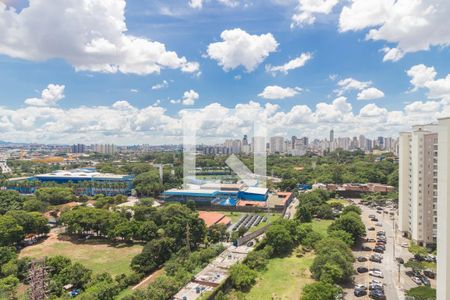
(394, 278)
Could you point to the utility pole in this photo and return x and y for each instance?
(37, 277)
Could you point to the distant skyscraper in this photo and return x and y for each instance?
(362, 142)
(293, 140)
(276, 144)
(331, 135)
(78, 148)
(245, 140)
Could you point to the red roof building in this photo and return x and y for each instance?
(211, 218)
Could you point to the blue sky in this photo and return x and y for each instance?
(339, 50)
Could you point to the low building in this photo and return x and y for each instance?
(211, 218)
(86, 181)
(211, 194)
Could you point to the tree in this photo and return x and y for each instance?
(422, 293)
(324, 211)
(55, 195)
(217, 233)
(343, 236)
(333, 262)
(191, 204)
(242, 277)
(9, 200)
(320, 291)
(350, 222)
(304, 214)
(257, 260)
(311, 239)
(34, 204)
(8, 287)
(147, 183)
(11, 232)
(280, 239)
(417, 266)
(352, 208)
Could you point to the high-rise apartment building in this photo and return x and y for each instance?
(331, 135)
(277, 144)
(418, 184)
(443, 239)
(104, 148)
(78, 148)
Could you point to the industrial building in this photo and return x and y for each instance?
(90, 182)
(218, 194)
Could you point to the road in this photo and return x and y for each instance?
(395, 285)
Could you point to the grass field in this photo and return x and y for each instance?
(97, 257)
(283, 279)
(234, 216)
(321, 226)
(341, 201)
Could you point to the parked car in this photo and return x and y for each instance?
(359, 292)
(376, 259)
(416, 280)
(381, 232)
(361, 259)
(371, 228)
(360, 286)
(379, 224)
(375, 219)
(370, 240)
(362, 270)
(371, 216)
(377, 273)
(425, 280)
(429, 273)
(376, 285)
(405, 245)
(378, 249)
(366, 248)
(377, 294)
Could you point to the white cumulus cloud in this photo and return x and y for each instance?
(295, 63)
(49, 96)
(241, 48)
(307, 10)
(91, 35)
(413, 25)
(425, 77)
(189, 98)
(273, 92)
(160, 85)
(370, 94)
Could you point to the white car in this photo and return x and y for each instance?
(376, 273)
(360, 287)
(405, 245)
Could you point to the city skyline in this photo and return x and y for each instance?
(107, 88)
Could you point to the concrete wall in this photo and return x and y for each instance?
(443, 238)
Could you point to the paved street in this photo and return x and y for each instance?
(395, 285)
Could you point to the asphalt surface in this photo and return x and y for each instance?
(394, 285)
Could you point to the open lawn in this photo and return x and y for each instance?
(321, 226)
(97, 257)
(234, 216)
(283, 279)
(341, 201)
